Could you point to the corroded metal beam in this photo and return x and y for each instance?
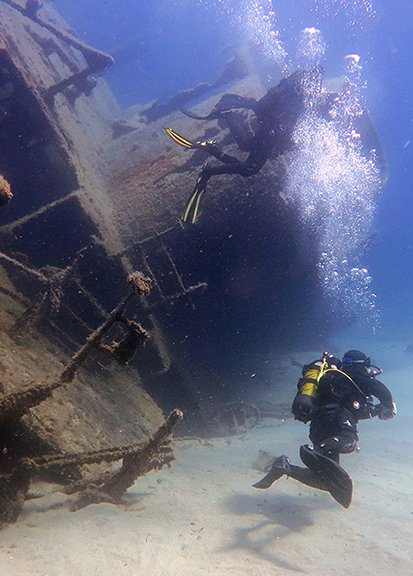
(96, 60)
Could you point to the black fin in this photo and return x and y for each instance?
(335, 478)
(279, 467)
(211, 116)
(196, 117)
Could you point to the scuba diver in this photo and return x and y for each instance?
(333, 395)
(276, 115)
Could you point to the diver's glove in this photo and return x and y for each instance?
(387, 413)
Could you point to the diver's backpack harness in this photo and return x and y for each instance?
(306, 399)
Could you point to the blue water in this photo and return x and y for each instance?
(184, 43)
(201, 516)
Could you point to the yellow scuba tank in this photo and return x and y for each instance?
(306, 399)
(309, 385)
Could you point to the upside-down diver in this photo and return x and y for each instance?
(270, 131)
(276, 113)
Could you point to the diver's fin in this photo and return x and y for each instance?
(180, 139)
(208, 145)
(335, 478)
(195, 199)
(279, 467)
(195, 116)
(193, 204)
(211, 116)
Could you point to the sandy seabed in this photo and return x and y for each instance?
(202, 516)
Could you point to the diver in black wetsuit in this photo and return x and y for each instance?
(276, 113)
(334, 396)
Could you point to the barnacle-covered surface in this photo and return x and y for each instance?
(104, 406)
(59, 220)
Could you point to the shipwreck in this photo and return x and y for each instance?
(90, 193)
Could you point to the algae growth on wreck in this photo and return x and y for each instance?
(148, 363)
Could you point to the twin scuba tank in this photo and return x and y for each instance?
(306, 399)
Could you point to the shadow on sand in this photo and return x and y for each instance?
(277, 517)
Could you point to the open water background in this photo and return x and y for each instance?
(180, 44)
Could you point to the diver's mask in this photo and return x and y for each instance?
(372, 370)
(365, 362)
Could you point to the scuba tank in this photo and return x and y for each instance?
(306, 399)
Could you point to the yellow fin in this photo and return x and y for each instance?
(179, 139)
(194, 202)
(188, 207)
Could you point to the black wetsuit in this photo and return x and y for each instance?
(343, 398)
(342, 402)
(277, 113)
